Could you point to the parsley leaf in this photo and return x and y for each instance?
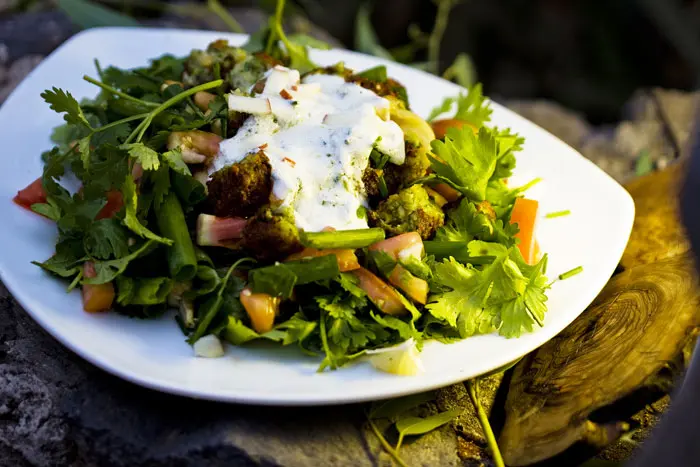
(63, 102)
(146, 156)
(507, 294)
(469, 221)
(296, 329)
(107, 271)
(507, 144)
(67, 260)
(131, 220)
(471, 107)
(174, 159)
(143, 291)
(467, 160)
(84, 149)
(161, 184)
(106, 238)
(345, 330)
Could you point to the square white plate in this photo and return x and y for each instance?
(154, 353)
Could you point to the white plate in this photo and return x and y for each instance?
(154, 353)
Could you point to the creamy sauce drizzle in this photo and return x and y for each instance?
(318, 135)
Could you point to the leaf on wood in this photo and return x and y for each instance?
(414, 426)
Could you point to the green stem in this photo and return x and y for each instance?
(119, 122)
(76, 281)
(385, 444)
(359, 238)
(141, 129)
(571, 273)
(399, 443)
(472, 388)
(441, 20)
(277, 20)
(217, 8)
(324, 343)
(116, 92)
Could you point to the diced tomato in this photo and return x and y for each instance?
(381, 294)
(525, 215)
(415, 287)
(347, 259)
(114, 203)
(402, 246)
(440, 127)
(32, 194)
(449, 193)
(261, 308)
(96, 297)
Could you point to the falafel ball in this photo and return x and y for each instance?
(241, 189)
(409, 210)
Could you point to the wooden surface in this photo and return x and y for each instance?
(635, 329)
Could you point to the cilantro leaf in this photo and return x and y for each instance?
(345, 330)
(276, 280)
(131, 220)
(349, 283)
(507, 144)
(471, 107)
(143, 291)
(237, 333)
(146, 156)
(405, 330)
(106, 238)
(467, 160)
(67, 260)
(174, 160)
(161, 184)
(469, 221)
(113, 135)
(507, 294)
(84, 149)
(61, 101)
(107, 271)
(296, 329)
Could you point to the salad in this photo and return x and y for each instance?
(266, 198)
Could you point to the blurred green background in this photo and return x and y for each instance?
(589, 56)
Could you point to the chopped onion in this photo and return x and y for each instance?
(209, 347)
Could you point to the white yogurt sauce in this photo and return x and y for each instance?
(318, 136)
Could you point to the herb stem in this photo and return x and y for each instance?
(119, 122)
(116, 92)
(571, 273)
(435, 38)
(555, 214)
(218, 9)
(324, 342)
(358, 238)
(76, 281)
(277, 20)
(472, 388)
(141, 129)
(385, 444)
